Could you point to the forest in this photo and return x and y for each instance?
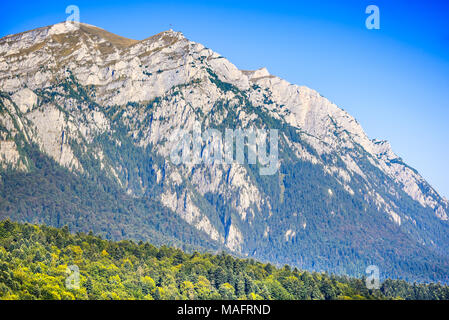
(41, 262)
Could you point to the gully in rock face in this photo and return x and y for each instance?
(209, 147)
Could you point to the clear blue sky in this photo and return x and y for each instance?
(395, 80)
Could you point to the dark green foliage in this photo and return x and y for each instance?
(34, 259)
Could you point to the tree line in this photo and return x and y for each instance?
(35, 263)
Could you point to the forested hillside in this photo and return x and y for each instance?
(34, 260)
(89, 122)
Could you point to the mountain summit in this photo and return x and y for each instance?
(86, 118)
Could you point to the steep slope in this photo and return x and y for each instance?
(107, 108)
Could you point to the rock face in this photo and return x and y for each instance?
(100, 104)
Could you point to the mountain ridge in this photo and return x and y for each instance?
(105, 109)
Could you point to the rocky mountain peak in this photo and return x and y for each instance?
(106, 107)
(256, 74)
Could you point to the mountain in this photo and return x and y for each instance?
(87, 120)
